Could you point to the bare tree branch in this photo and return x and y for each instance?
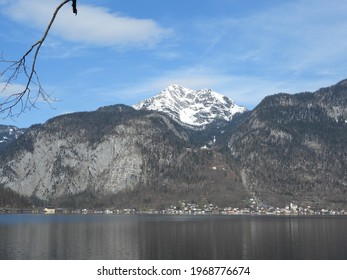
(74, 6)
(15, 68)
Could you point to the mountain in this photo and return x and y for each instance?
(9, 133)
(196, 108)
(292, 148)
(117, 156)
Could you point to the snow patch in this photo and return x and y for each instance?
(192, 107)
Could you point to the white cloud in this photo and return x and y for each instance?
(6, 90)
(93, 25)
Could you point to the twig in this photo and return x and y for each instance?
(15, 68)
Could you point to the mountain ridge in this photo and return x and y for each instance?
(293, 147)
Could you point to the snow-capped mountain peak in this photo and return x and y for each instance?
(192, 107)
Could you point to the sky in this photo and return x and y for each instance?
(123, 51)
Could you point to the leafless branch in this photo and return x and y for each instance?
(15, 69)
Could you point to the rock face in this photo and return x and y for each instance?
(115, 155)
(196, 108)
(293, 148)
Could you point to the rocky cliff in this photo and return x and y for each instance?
(116, 156)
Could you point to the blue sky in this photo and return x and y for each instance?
(122, 51)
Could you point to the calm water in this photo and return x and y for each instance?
(171, 237)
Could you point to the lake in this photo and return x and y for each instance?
(161, 237)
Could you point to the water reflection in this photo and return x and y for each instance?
(171, 237)
(69, 237)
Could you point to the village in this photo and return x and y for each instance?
(190, 208)
(211, 209)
